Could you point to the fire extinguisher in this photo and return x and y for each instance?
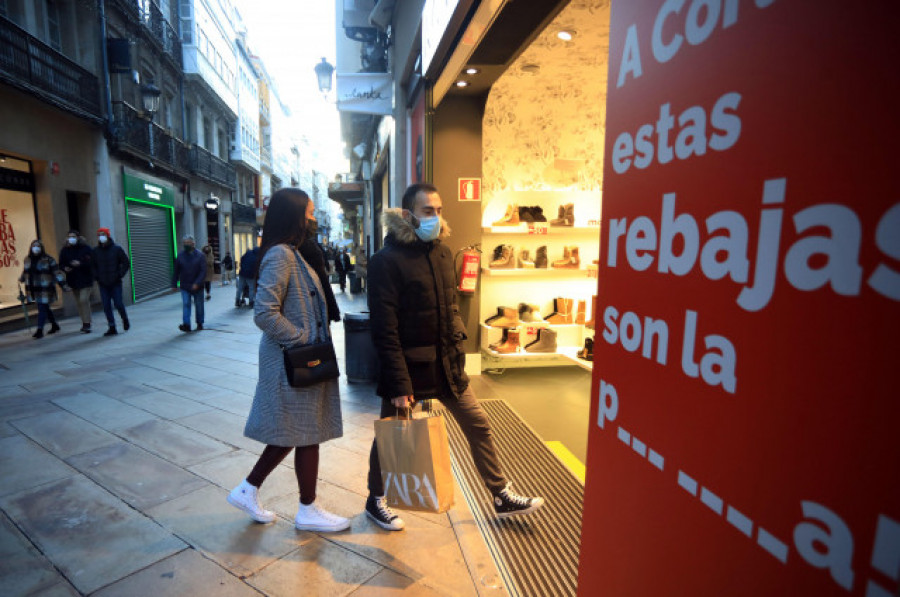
(468, 276)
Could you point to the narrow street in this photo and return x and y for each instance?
(117, 455)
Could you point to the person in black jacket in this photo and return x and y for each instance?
(342, 266)
(109, 265)
(247, 275)
(418, 334)
(190, 273)
(76, 260)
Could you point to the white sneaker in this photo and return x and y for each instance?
(314, 518)
(246, 498)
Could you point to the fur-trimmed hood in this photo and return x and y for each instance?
(398, 227)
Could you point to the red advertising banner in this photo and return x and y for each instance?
(745, 418)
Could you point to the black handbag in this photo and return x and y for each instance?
(310, 364)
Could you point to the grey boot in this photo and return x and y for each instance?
(545, 341)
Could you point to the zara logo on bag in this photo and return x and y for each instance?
(397, 486)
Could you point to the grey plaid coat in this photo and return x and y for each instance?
(290, 309)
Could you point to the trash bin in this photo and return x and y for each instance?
(360, 355)
(355, 282)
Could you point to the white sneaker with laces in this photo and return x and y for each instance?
(246, 498)
(315, 518)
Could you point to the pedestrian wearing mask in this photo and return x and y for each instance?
(227, 268)
(41, 275)
(210, 269)
(190, 271)
(290, 310)
(75, 260)
(110, 264)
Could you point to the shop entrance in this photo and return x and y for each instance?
(18, 224)
(151, 239)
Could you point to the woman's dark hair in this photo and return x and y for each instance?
(285, 221)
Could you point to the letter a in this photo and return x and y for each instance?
(631, 57)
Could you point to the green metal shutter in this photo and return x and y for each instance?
(150, 234)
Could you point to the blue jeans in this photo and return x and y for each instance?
(251, 284)
(110, 295)
(44, 314)
(186, 296)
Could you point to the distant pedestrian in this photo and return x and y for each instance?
(227, 268)
(190, 272)
(41, 275)
(342, 265)
(247, 275)
(75, 260)
(290, 311)
(210, 269)
(109, 266)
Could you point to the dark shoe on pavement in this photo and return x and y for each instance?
(184, 327)
(38, 334)
(378, 510)
(208, 297)
(126, 325)
(238, 303)
(112, 331)
(85, 328)
(54, 327)
(250, 304)
(199, 327)
(508, 503)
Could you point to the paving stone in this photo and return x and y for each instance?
(25, 405)
(320, 567)
(226, 534)
(166, 405)
(388, 583)
(105, 412)
(184, 574)
(24, 464)
(121, 390)
(64, 434)
(23, 570)
(173, 442)
(236, 404)
(344, 468)
(141, 479)
(92, 537)
(224, 426)
(228, 470)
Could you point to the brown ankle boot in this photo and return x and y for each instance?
(507, 258)
(509, 319)
(512, 343)
(502, 340)
(564, 261)
(562, 312)
(579, 315)
(570, 259)
(510, 218)
(590, 323)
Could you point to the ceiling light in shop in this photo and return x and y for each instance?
(566, 34)
(462, 83)
(472, 71)
(531, 69)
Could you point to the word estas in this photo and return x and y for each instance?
(717, 365)
(829, 234)
(7, 241)
(698, 25)
(691, 138)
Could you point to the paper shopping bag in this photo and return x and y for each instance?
(415, 463)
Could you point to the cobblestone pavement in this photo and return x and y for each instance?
(116, 455)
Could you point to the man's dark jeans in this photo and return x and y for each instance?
(474, 424)
(110, 295)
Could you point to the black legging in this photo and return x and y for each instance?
(306, 467)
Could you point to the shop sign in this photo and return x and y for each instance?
(469, 189)
(743, 437)
(138, 189)
(366, 93)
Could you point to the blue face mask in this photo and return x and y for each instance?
(429, 228)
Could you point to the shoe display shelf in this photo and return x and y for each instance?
(508, 286)
(569, 339)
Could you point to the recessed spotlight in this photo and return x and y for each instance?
(462, 83)
(531, 69)
(566, 34)
(472, 71)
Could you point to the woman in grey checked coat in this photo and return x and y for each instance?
(290, 310)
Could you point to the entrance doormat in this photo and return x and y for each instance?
(537, 554)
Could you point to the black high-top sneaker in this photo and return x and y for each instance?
(378, 510)
(508, 503)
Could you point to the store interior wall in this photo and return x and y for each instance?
(457, 154)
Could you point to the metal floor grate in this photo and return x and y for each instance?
(537, 554)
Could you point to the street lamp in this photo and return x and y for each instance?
(323, 73)
(150, 97)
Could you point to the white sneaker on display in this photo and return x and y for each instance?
(314, 518)
(246, 498)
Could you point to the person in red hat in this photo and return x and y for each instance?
(110, 265)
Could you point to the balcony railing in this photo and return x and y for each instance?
(29, 63)
(148, 14)
(135, 133)
(205, 164)
(265, 157)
